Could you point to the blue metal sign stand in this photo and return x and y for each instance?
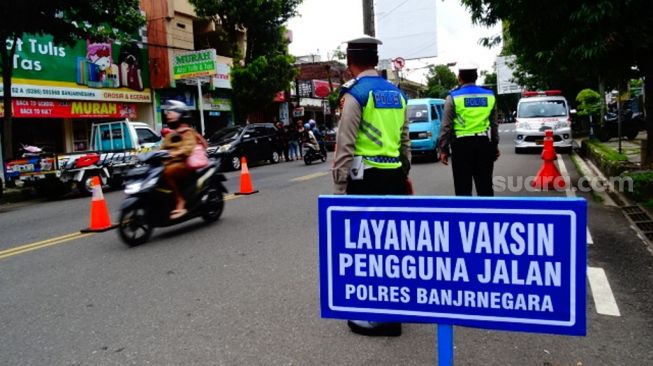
(445, 344)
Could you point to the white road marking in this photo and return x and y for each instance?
(590, 241)
(563, 171)
(601, 292)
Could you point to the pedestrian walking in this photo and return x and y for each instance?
(470, 135)
(373, 147)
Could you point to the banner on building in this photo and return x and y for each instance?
(44, 108)
(222, 79)
(101, 71)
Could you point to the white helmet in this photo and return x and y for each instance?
(175, 106)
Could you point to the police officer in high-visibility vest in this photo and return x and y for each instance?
(372, 153)
(469, 133)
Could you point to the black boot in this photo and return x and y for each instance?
(373, 329)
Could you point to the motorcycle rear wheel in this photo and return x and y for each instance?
(134, 228)
(307, 160)
(214, 204)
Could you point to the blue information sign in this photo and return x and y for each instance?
(514, 264)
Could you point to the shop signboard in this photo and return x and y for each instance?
(189, 65)
(298, 112)
(52, 108)
(212, 103)
(95, 71)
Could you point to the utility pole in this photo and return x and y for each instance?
(368, 18)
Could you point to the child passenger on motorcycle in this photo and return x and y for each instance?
(180, 143)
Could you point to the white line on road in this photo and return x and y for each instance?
(590, 241)
(601, 292)
(565, 174)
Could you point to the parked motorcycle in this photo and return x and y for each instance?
(313, 153)
(148, 203)
(632, 121)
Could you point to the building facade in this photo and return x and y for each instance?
(59, 91)
(174, 29)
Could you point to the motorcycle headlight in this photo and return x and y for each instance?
(224, 148)
(132, 188)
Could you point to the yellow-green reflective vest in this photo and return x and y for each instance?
(473, 106)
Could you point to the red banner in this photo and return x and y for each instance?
(44, 108)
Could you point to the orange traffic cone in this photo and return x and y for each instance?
(100, 220)
(548, 177)
(246, 186)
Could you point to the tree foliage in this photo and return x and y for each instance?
(589, 102)
(256, 83)
(65, 20)
(575, 44)
(266, 67)
(439, 81)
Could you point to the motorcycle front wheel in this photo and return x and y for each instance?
(307, 159)
(134, 228)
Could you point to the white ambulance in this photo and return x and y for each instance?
(539, 111)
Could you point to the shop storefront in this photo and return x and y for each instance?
(215, 97)
(312, 97)
(58, 91)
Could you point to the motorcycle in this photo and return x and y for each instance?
(313, 153)
(149, 203)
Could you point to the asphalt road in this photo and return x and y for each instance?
(244, 291)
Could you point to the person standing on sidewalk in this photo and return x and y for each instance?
(373, 148)
(293, 142)
(470, 130)
(282, 142)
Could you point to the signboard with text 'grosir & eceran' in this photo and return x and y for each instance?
(516, 264)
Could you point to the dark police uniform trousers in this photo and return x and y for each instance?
(472, 158)
(379, 182)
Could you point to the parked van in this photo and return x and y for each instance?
(425, 116)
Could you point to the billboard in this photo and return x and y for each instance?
(96, 71)
(407, 28)
(505, 75)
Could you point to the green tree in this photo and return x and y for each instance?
(67, 21)
(439, 81)
(266, 67)
(590, 42)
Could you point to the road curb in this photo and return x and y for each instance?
(639, 218)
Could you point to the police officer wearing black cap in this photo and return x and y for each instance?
(469, 134)
(373, 148)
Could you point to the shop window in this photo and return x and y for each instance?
(81, 136)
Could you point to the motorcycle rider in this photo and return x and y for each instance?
(308, 138)
(318, 136)
(180, 143)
